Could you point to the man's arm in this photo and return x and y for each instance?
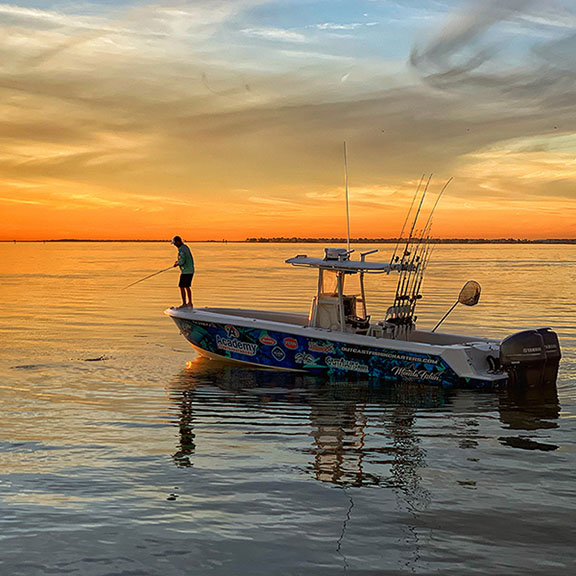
(180, 260)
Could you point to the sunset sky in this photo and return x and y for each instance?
(226, 118)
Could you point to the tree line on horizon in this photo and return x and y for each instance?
(334, 240)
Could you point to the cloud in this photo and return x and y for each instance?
(475, 53)
(279, 34)
(180, 104)
(334, 26)
(21, 201)
(464, 28)
(18, 14)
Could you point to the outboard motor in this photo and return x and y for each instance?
(523, 356)
(553, 354)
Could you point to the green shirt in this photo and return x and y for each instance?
(185, 260)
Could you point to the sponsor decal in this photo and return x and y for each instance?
(291, 343)
(343, 364)
(303, 358)
(199, 323)
(404, 357)
(232, 331)
(278, 353)
(324, 347)
(415, 373)
(235, 345)
(267, 340)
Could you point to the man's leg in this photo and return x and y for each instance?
(189, 292)
(183, 294)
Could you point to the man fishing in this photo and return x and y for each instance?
(186, 263)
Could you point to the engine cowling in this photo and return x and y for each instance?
(523, 356)
(553, 354)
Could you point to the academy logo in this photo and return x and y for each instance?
(235, 345)
(232, 331)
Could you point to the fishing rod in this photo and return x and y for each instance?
(409, 268)
(146, 278)
(405, 268)
(415, 296)
(429, 221)
(415, 280)
(415, 270)
(406, 219)
(420, 205)
(427, 249)
(413, 262)
(409, 242)
(416, 267)
(406, 253)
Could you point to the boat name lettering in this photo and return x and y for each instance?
(406, 372)
(392, 355)
(343, 364)
(325, 347)
(235, 345)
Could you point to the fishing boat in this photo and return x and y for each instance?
(338, 336)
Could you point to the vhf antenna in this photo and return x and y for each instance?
(347, 202)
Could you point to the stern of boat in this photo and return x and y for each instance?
(531, 357)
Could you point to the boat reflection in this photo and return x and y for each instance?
(186, 445)
(529, 409)
(361, 434)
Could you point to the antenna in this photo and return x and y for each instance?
(347, 202)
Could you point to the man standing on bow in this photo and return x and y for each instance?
(186, 263)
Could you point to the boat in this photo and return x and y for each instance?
(338, 336)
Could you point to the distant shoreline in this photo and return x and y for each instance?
(297, 240)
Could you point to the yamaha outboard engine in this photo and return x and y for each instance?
(523, 356)
(553, 354)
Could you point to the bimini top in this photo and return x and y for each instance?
(338, 259)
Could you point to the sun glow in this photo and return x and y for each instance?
(130, 123)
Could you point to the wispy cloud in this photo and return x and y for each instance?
(176, 104)
(275, 34)
(334, 26)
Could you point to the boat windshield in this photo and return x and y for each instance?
(329, 283)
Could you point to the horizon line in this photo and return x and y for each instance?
(313, 240)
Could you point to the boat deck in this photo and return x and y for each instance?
(301, 320)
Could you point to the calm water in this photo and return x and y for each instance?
(121, 452)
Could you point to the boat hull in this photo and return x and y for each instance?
(286, 349)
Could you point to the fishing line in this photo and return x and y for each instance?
(146, 278)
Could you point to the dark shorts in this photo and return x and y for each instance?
(185, 280)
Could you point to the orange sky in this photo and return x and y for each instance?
(226, 119)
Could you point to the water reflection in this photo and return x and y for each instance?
(529, 409)
(359, 434)
(184, 398)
